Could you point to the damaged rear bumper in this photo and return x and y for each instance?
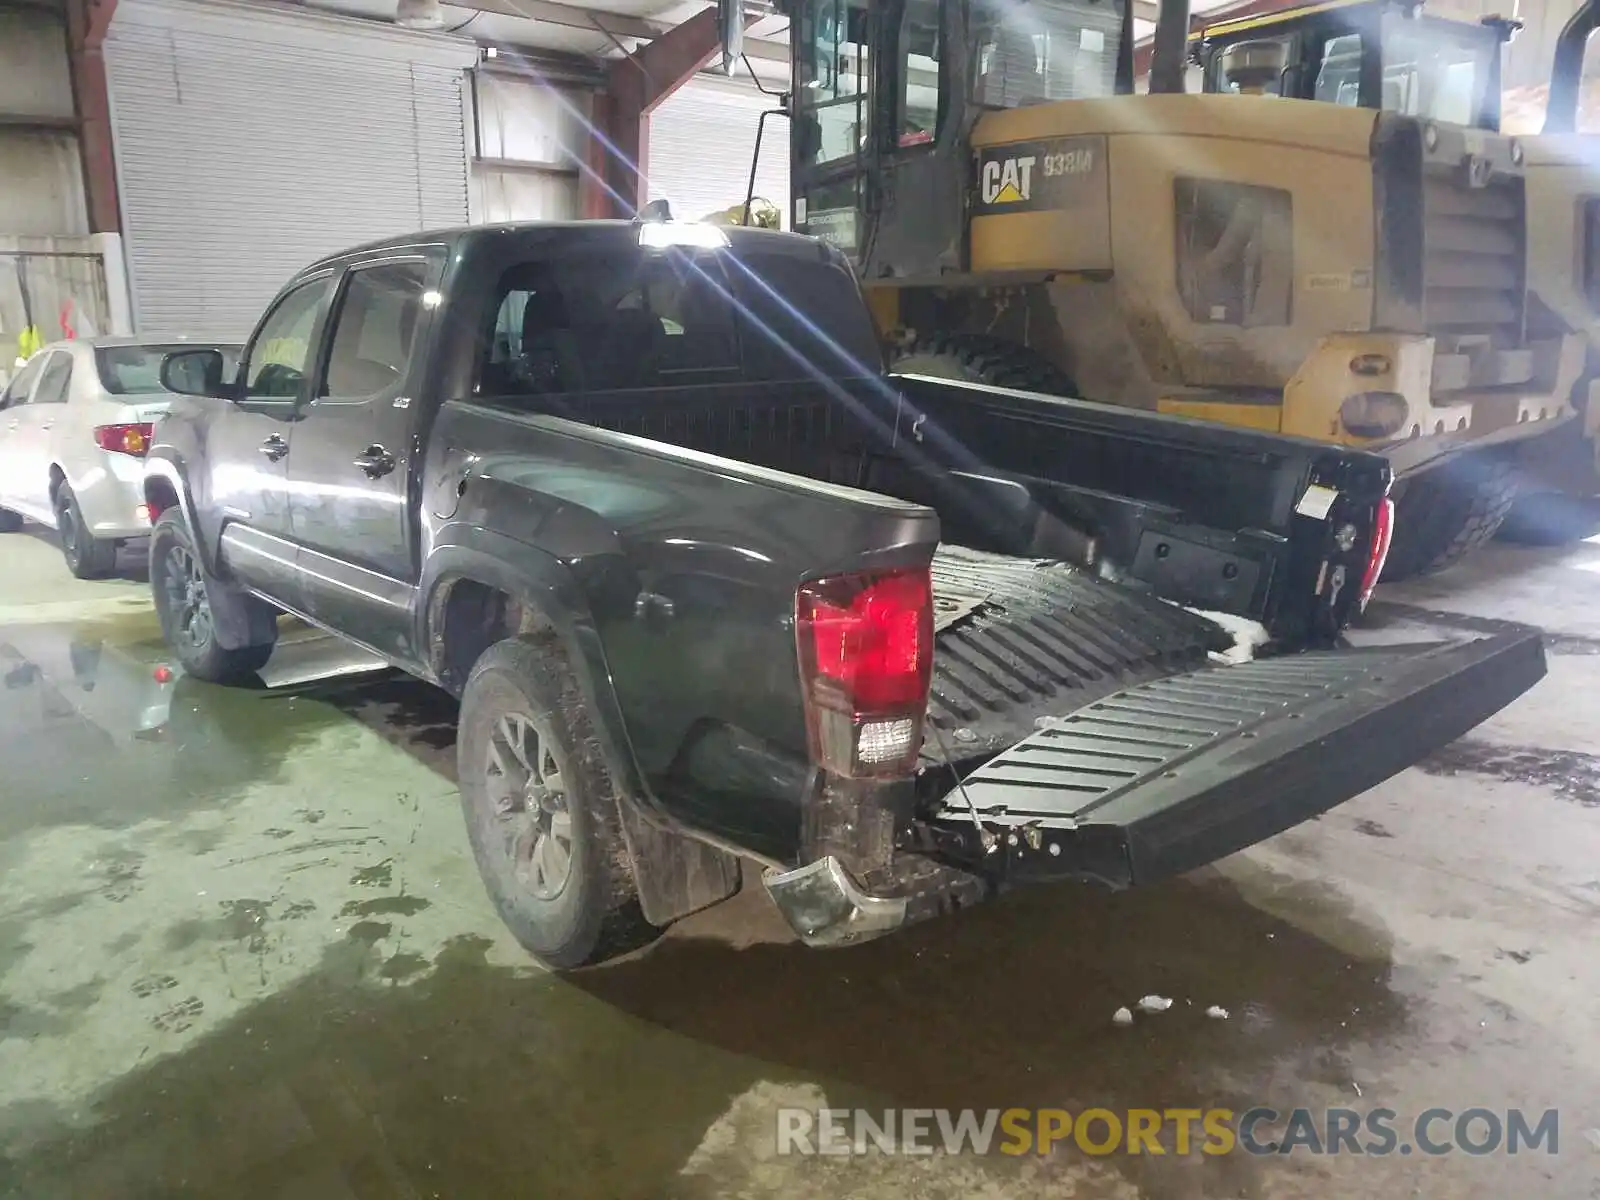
(1169, 776)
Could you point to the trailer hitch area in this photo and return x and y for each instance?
(826, 907)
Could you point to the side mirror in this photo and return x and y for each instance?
(194, 373)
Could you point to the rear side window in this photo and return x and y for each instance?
(803, 317)
(136, 370)
(56, 379)
(609, 321)
(374, 329)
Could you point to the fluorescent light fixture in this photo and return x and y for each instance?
(657, 235)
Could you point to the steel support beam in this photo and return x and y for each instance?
(88, 21)
(619, 143)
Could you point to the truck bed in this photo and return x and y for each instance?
(1019, 637)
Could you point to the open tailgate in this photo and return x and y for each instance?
(1173, 774)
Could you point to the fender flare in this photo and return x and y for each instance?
(542, 582)
(164, 465)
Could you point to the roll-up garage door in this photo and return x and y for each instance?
(701, 139)
(250, 142)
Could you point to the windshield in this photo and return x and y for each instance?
(1437, 70)
(136, 370)
(1034, 51)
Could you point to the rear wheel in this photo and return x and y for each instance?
(979, 358)
(541, 809)
(88, 557)
(183, 599)
(1448, 512)
(10, 522)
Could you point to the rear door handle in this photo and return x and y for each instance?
(375, 461)
(274, 448)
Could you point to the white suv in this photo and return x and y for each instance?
(74, 427)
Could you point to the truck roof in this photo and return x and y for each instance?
(738, 236)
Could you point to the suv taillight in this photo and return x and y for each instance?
(124, 439)
(1382, 531)
(866, 661)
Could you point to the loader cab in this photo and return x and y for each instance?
(885, 96)
(1375, 54)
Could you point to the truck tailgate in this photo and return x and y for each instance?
(1171, 774)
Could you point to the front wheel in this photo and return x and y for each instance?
(183, 601)
(541, 809)
(88, 557)
(1448, 512)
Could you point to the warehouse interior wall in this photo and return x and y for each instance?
(530, 138)
(41, 172)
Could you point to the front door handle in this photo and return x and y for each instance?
(274, 448)
(375, 461)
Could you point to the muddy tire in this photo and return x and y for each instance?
(184, 596)
(1447, 513)
(978, 358)
(541, 809)
(10, 522)
(88, 557)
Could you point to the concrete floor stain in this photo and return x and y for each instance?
(1570, 774)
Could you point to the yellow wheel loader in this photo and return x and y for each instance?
(1437, 64)
(1018, 216)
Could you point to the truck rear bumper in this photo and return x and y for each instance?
(1168, 776)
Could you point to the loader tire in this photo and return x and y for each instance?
(1449, 512)
(979, 358)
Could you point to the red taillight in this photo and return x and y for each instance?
(866, 659)
(1382, 531)
(124, 439)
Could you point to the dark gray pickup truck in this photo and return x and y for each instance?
(711, 587)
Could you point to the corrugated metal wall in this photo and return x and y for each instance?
(250, 142)
(701, 140)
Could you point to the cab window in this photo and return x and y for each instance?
(921, 77)
(1435, 72)
(1339, 76)
(369, 352)
(609, 321)
(280, 355)
(831, 118)
(1035, 51)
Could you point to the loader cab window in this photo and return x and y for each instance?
(1035, 51)
(921, 77)
(1437, 70)
(832, 60)
(1433, 68)
(1339, 76)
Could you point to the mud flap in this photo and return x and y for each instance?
(1171, 775)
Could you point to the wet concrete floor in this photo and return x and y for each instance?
(244, 953)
